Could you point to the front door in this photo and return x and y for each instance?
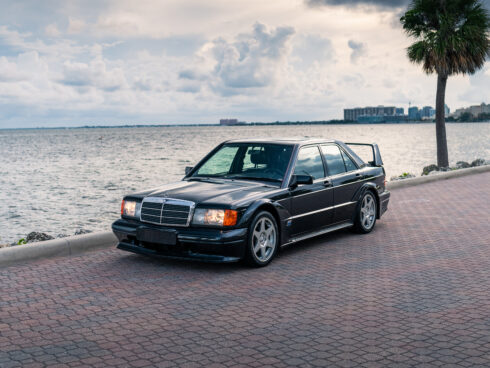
(311, 204)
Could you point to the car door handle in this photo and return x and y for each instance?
(358, 175)
(327, 183)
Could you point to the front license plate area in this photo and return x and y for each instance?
(167, 237)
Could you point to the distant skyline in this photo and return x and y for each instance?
(72, 63)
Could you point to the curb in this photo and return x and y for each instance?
(435, 177)
(57, 247)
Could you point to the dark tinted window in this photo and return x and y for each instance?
(335, 162)
(349, 164)
(310, 163)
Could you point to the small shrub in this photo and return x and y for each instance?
(478, 162)
(405, 175)
(427, 169)
(462, 165)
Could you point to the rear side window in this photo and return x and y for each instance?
(349, 164)
(309, 163)
(335, 162)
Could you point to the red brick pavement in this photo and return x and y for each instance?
(414, 292)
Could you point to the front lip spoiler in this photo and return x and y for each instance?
(189, 256)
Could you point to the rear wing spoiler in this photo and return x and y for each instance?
(376, 161)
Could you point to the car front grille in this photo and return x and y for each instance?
(166, 211)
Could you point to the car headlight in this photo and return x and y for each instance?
(130, 208)
(210, 216)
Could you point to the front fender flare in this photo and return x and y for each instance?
(250, 211)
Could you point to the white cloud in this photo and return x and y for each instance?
(252, 60)
(52, 30)
(93, 74)
(9, 72)
(76, 26)
(27, 66)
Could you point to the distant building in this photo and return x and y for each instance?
(426, 112)
(389, 114)
(414, 113)
(366, 119)
(446, 110)
(474, 110)
(231, 122)
(355, 113)
(396, 119)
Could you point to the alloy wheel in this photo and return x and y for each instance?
(368, 211)
(264, 239)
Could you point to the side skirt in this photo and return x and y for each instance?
(326, 230)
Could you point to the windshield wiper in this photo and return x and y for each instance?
(203, 178)
(254, 178)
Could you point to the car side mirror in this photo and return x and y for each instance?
(188, 169)
(300, 180)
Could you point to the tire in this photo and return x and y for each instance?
(366, 213)
(263, 240)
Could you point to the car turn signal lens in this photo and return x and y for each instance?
(122, 207)
(231, 217)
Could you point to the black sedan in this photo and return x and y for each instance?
(247, 198)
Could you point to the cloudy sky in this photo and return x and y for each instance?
(97, 62)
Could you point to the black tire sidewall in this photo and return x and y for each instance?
(249, 253)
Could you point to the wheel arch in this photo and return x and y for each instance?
(371, 187)
(264, 205)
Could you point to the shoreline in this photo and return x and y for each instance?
(280, 123)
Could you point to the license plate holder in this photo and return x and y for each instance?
(157, 236)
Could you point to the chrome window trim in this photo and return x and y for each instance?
(166, 200)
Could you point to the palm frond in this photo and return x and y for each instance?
(451, 36)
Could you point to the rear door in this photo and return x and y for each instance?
(346, 179)
(311, 205)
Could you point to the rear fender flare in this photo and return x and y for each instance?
(360, 192)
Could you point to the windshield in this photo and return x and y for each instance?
(249, 161)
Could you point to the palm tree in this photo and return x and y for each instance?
(451, 38)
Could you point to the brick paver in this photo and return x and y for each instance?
(414, 292)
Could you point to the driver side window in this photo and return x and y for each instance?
(309, 163)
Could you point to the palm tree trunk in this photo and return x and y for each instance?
(442, 156)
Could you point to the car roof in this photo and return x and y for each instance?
(298, 141)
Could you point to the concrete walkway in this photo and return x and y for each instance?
(415, 292)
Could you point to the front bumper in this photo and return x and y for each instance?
(210, 245)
